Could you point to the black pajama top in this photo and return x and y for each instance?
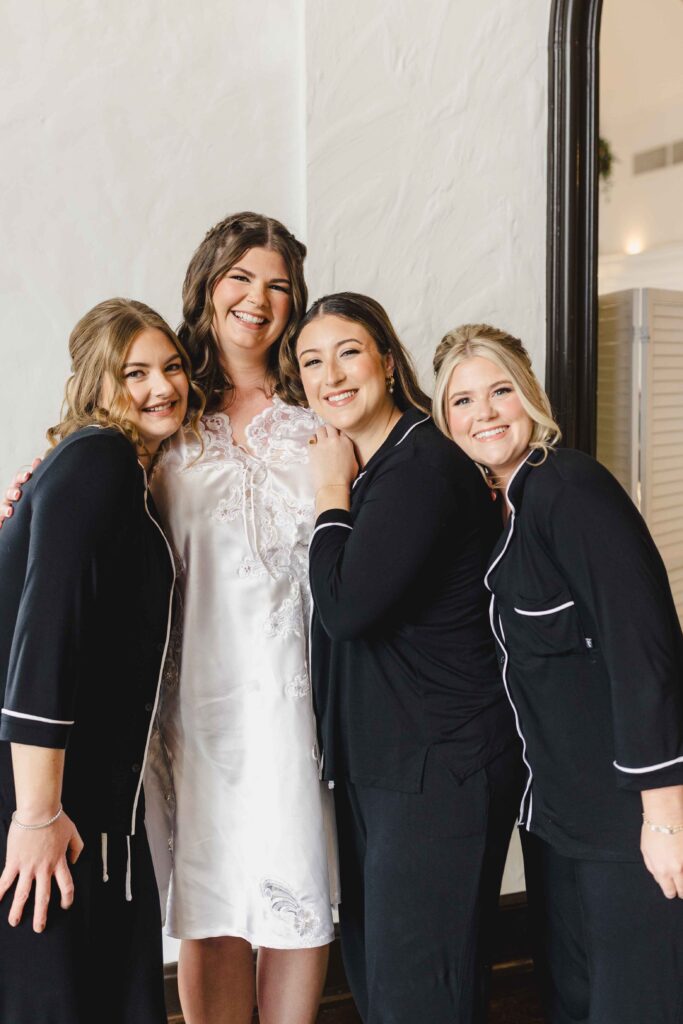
(86, 579)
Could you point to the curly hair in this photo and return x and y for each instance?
(98, 346)
(223, 246)
(506, 351)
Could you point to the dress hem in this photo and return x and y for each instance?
(251, 939)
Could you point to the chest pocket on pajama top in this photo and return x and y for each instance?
(545, 626)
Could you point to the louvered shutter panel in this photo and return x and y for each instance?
(617, 397)
(662, 428)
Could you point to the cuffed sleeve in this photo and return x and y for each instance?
(603, 547)
(362, 568)
(76, 507)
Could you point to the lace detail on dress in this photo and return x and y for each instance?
(281, 431)
(228, 509)
(288, 618)
(289, 909)
(298, 687)
(277, 434)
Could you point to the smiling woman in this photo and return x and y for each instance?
(252, 861)
(86, 582)
(592, 658)
(416, 735)
(488, 400)
(157, 388)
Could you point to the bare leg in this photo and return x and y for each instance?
(290, 984)
(216, 981)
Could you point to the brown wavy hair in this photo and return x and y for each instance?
(98, 346)
(367, 312)
(223, 246)
(509, 354)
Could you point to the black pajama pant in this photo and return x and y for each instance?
(100, 962)
(420, 878)
(609, 943)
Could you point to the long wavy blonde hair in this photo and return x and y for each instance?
(98, 346)
(507, 352)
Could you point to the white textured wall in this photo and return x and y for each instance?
(127, 129)
(426, 138)
(426, 168)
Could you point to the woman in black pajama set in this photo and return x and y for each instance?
(592, 655)
(416, 734)
(87, 578)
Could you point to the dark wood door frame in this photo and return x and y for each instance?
(571, 354)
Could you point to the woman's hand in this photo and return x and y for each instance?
(13, 492)
(38, 857)
(334, 466)
(663, 854)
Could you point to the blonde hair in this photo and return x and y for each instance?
(509, 354)
(98, 346)
(223, 246)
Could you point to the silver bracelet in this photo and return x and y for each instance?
(43, 824)
(666, 830)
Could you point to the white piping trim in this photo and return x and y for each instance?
(505, 547)
(161, 667)
(546, 611)
(323, 525)
(501, 641)
(419, 422)
(527, 788)
(650, 768)
(35, 718)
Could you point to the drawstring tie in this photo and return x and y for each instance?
(249, 519)
(129, 890)
(105, 864)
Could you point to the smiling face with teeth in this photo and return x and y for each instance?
(251, 305)
(486, 417)
(344, 375)
(154, 376)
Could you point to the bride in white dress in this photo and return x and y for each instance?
(254, 860)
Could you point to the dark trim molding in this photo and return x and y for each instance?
(571, 356)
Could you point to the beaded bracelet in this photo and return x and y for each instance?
(666, 830)
(43, 824)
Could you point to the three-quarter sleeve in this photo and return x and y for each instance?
(80, 503)
(600, 542)
(362, 566)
